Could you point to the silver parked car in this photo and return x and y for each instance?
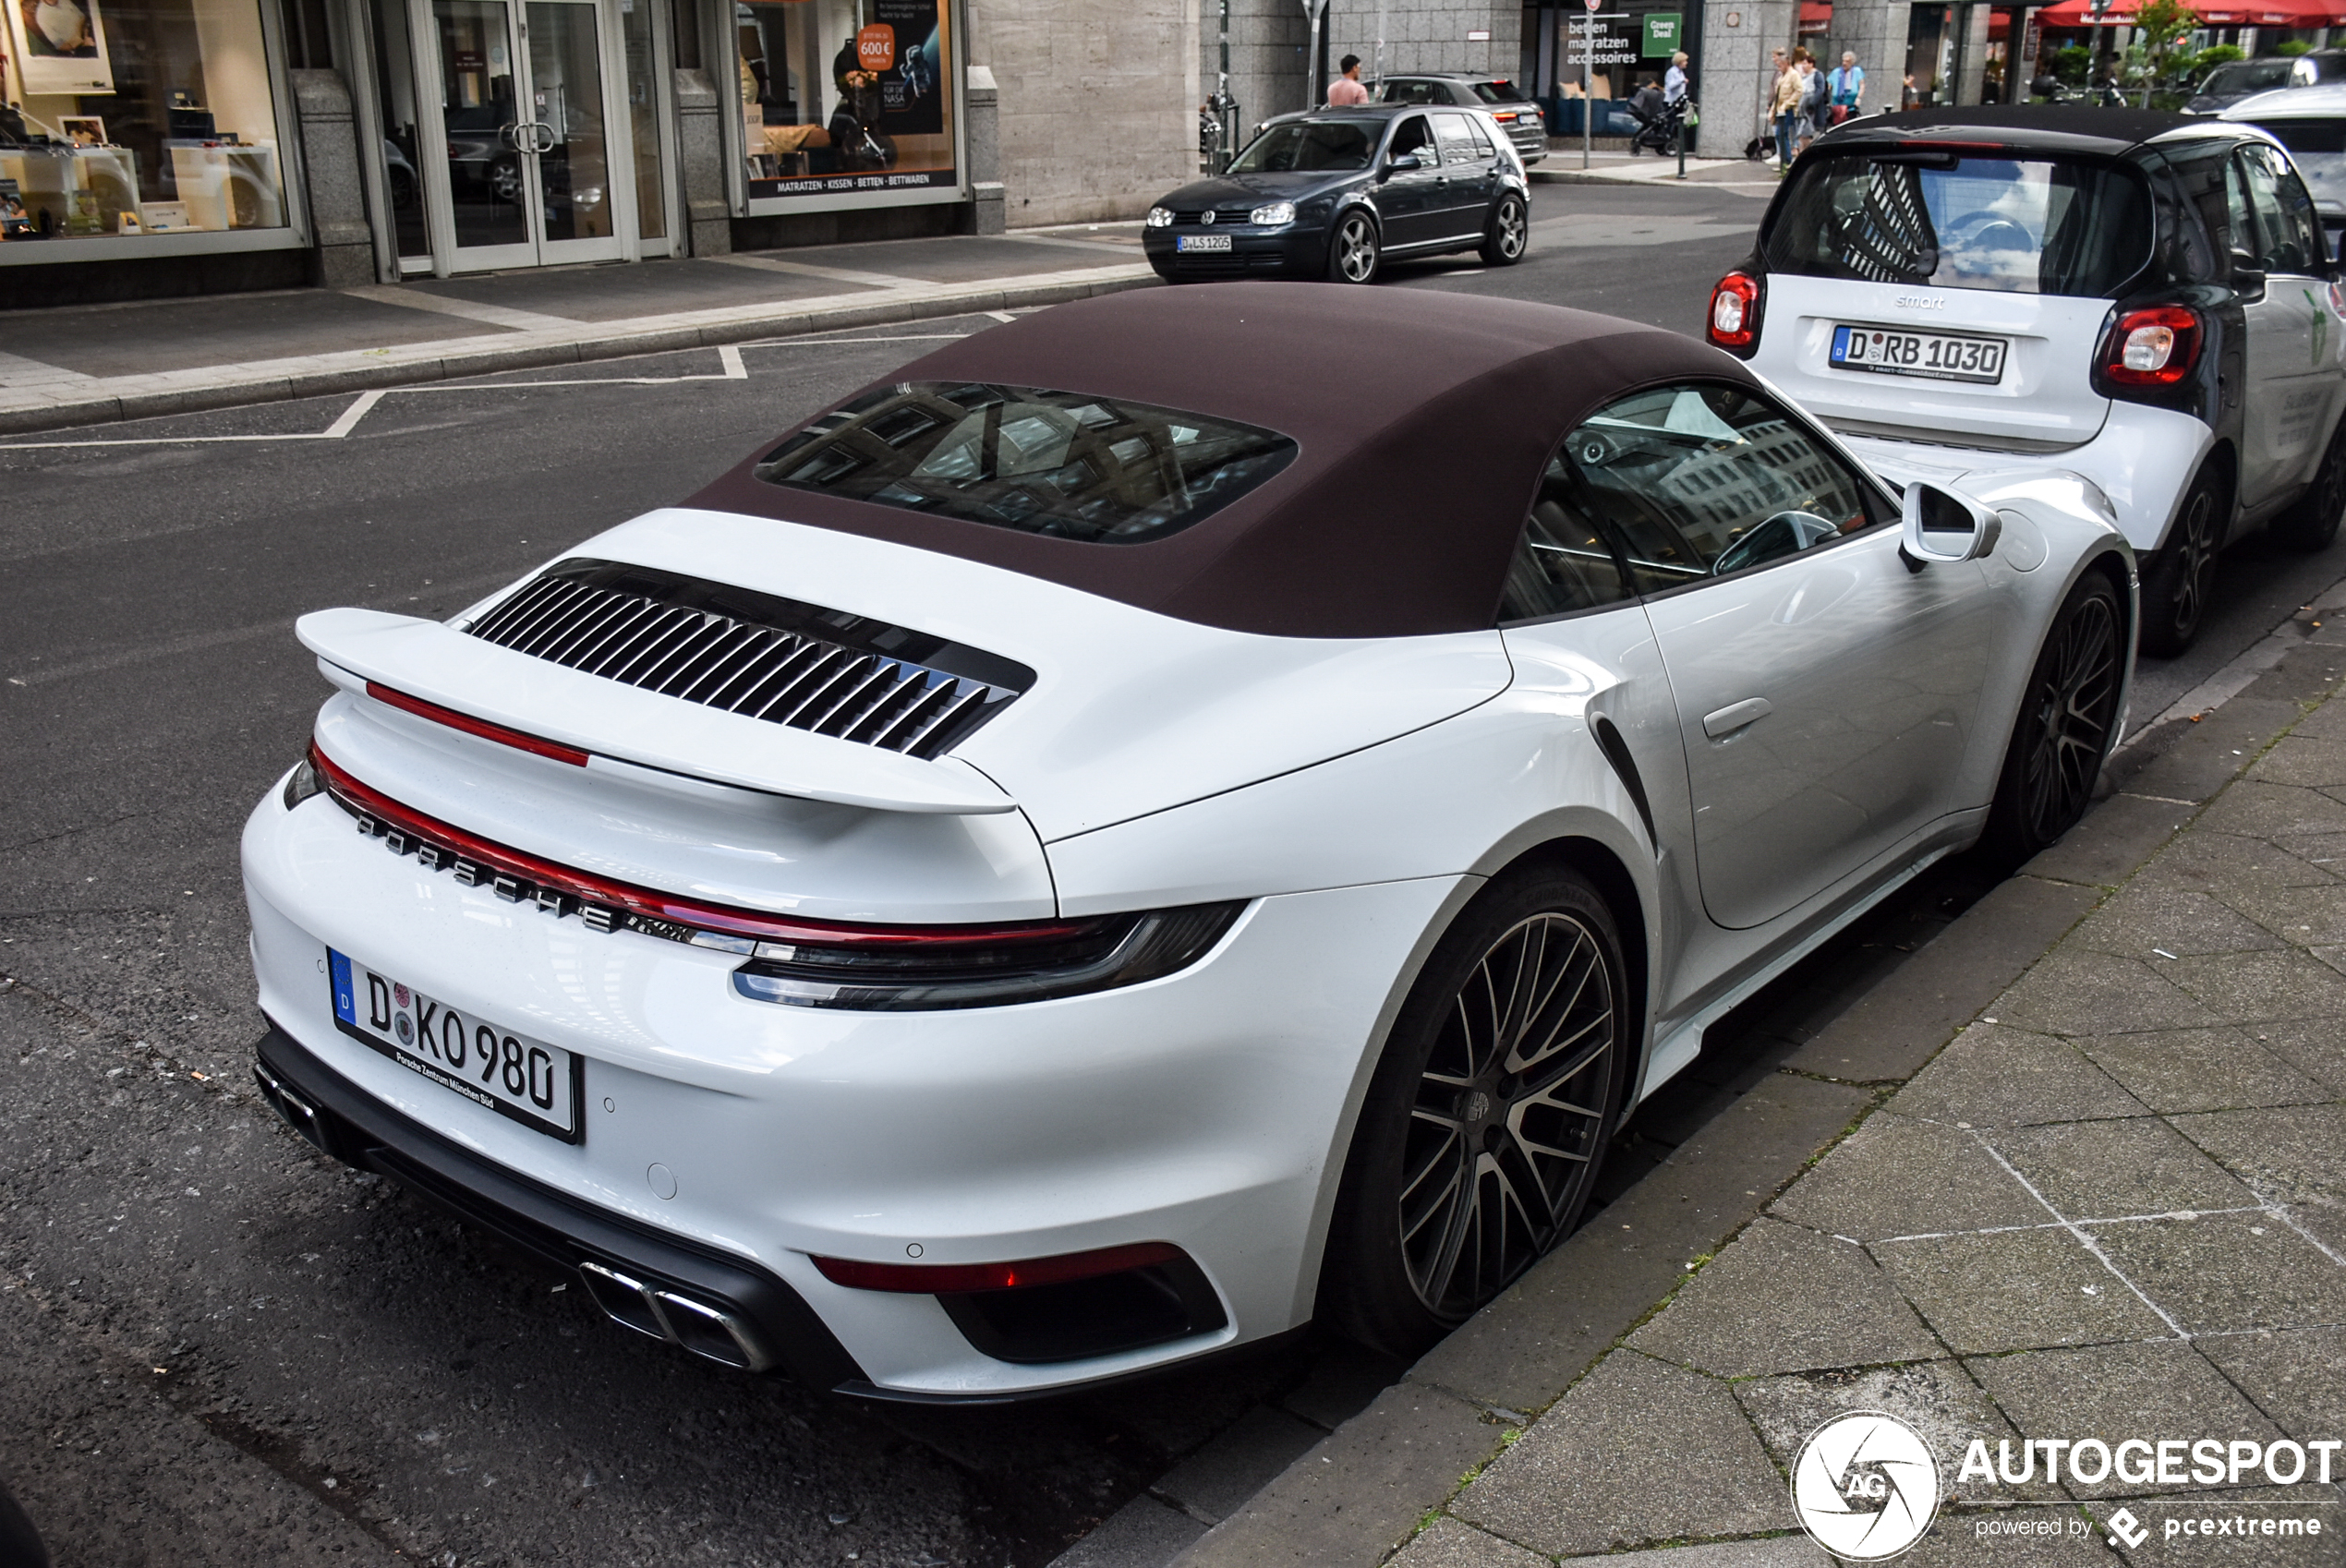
(1518, 115)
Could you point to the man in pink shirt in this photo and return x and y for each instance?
(1345, 90)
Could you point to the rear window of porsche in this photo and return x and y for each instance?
(1071, 466)
(2013, 225)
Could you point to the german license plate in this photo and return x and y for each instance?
(537, 1084)
(1938, 356)
(1201, 242)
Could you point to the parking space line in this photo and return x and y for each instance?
(729, 356)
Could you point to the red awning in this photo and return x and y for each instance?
(1816, 16)
(2249, 13)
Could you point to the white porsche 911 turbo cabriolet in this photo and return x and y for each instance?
(1190, 811)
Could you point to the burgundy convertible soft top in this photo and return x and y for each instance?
(1423, 421)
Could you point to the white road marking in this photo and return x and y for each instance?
(728, 355)
(17, 371)
(1001, 314)
(836, 274)
(444, 305)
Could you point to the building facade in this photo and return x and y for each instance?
(162, 147)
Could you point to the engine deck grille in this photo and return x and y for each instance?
(777, 660)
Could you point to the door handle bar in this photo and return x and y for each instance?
(1737, 716)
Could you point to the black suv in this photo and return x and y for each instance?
(1334, 193)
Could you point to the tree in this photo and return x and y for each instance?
(2159, 26)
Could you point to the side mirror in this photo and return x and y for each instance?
(1401, 160)
(1943, 527)
(2248, 278)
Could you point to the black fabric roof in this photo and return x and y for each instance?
(1422, 420)
(2048, 128)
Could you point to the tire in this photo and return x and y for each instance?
(1355, 252)
(2068, 718)
(1469, 1162)
(2175, 585)
(2310, 522)
(1509, 234)
(504, 180)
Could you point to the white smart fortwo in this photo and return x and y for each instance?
(1189, 811)
(2145, 300)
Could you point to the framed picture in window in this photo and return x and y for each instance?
(59, 46)
(83, 130)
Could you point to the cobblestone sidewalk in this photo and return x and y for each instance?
(2113, 1207)
(2076, 1171)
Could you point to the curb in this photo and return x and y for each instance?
(1360, 1494)
(593, 342)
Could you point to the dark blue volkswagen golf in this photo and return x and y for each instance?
(1335, 193)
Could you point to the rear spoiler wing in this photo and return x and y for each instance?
(605, 719)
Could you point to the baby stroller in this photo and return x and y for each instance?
(1657, 128)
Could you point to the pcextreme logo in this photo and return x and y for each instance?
(1865, 1486)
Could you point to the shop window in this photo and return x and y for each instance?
(137, 117)
(845, 95)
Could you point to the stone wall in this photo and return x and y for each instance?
(1736, 36)
(1427, 35)
(1098, 102)
(1268, 73)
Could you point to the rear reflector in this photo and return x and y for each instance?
(481, 727)
(958, 1279)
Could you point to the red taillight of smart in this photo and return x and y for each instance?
(1734, 321)
(2152, 347)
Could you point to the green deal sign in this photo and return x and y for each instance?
(1661, 33)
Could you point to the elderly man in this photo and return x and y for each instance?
(1847, 81)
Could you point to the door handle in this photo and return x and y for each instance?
(541, 136)
(1735, 716)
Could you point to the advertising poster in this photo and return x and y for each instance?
(59, 46)
(911, 88)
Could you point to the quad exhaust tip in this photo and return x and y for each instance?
(666, 1314)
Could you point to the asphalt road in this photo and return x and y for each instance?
(217, 1348)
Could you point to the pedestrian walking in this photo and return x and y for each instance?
(1847, 83)
(1673, 81)
(1346, 89)
(1816, 100)
(1786, 108)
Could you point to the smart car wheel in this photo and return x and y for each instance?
(2311, 522)
(1509, 234)
(2174, 588)
(2065, 726)
(1354, 252)
(1489, 1115)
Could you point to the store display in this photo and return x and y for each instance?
(84, 130)
(842, 97)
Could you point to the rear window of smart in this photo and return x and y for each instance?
(2013, 225)
(1070, 466)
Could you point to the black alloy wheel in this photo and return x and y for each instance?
(2176, 585)
(1354, 250)
(2067, 717)
(1489, 1116)
(2310, 522)
(1509, 233)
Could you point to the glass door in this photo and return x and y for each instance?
(520, 157)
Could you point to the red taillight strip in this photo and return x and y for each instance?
(655, 905)
(481, 727)
(954, 1279)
